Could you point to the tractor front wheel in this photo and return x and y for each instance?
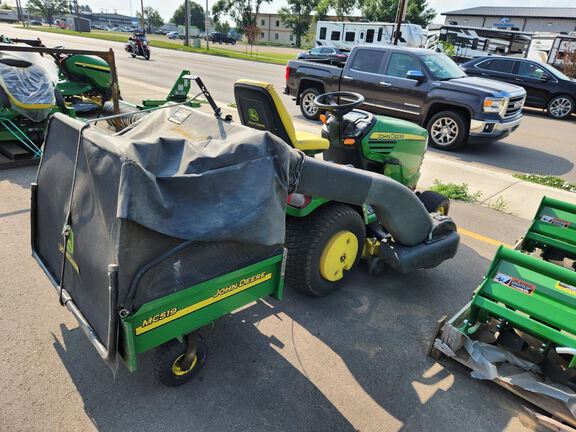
(323, 248)
(170, 365)
(435, 202)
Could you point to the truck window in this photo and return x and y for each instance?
(349, 37)
(370, 35)
(400, 64)
(322, 33)
(367, 61)
(380, 34)
(335, 36)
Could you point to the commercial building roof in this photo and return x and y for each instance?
(531, 12)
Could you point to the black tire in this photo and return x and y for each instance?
(166, 356)
(560, 107)
(435, 202)
(306, 104)
(306, 239)
(456, 132)
(133, 55)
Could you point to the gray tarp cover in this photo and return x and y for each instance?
(175, 179)
(187, 175)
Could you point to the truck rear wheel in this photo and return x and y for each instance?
(447, 130)
(307, 106)
(323, 248)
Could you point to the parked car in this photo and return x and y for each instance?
(172, 35)
(36, 22)
(97, 27)
(221, 38)
(325, 53)
(546, 87)
(419, 85)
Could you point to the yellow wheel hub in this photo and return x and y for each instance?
(338, 255)
(177, 370)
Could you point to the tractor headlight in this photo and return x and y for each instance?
(495, 105)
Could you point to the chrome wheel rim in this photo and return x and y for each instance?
(308, 104)
(444, 131)
(560, 107)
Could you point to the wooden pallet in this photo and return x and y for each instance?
(448, 340)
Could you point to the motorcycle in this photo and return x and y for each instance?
(138, 46)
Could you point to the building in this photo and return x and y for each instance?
(272, 29)
(111, 19)
(526, 19)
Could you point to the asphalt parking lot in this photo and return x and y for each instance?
(351, 361)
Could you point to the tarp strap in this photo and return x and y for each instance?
(21, 136)
(68, 221)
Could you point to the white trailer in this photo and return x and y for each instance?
(552, 48)
(350, 34)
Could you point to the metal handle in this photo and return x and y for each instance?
(518, 79)
(566, 350)
(346, 77)
(385, 84)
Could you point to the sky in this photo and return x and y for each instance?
(167, 7)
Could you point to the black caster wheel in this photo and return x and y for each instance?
(375, 266)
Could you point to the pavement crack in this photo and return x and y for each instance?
(501, 191)
(296, 351)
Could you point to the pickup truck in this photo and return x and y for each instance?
(415, 84)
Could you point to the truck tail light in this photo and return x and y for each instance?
(287, 73)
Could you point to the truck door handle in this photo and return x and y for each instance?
(484, 74)
(346, 77)
(385, 84)
(518, 79)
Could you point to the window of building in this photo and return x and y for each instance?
(291, 37)
(367, 61)
(349, 37)
(276, 36)
(262, 22)
(400, 64)
(380, 34)
(262, 35)
(277, 23)
(322, 33)
(335, 36)
(370, 36)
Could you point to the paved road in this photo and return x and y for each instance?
(540, 145)
(352, 361)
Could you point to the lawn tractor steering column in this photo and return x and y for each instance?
(331, 102)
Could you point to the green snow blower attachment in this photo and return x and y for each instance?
(520, 327)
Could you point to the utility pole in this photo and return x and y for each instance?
(142, 21)
(186, 23)
(400, 16)
(207, 26)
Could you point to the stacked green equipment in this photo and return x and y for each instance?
(531, 289)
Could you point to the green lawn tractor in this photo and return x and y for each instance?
(526, 306)
(326, 238)
(179, 219)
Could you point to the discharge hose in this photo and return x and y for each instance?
(398, 209)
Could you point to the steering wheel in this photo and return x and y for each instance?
(327, 102)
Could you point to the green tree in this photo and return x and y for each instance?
(418, 12)
(342, 8)
(297, 17)
(222, 27)
(197, 17)
(152, 16)
(48, 9)
(242, 12)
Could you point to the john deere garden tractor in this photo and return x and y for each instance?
(326, 237)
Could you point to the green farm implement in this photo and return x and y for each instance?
(525, 311)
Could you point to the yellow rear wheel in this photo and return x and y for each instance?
(338, 255)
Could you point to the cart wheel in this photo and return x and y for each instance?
(133, 55)
(167, 363)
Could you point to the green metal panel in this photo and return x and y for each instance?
(554, 225)
(537, 296)
(399, 142)
(180, 313)
(91, 69)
